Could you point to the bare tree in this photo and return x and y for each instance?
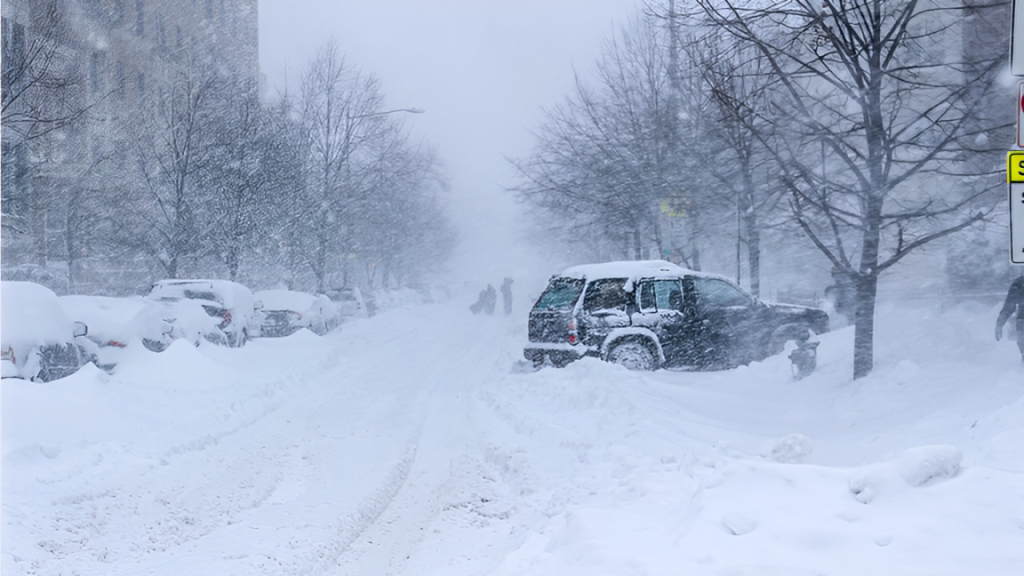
(734, 136)
(876, 101)
(175, 142)
(404, 231)
(40, 82)
(341, 111)
(608, 162)
(254, 168)
(41, 99)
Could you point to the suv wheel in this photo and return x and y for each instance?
(633, 355)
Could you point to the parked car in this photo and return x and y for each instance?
(37, 340)
(287, 311)
(230, 304)
(119, 323)
(350, 302)
(190, 320)
(646, 314)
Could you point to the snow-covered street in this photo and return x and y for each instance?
(410, 443)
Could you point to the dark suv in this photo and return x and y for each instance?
(646, 314)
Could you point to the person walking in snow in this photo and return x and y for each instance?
(1014, 304)
(481, 302)
(506, 295)
(490, 299)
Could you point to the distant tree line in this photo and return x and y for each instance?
(863, 127)
(200, 177)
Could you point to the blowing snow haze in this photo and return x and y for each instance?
(482, 71)
(470, 288)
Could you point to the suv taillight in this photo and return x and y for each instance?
(573, 337)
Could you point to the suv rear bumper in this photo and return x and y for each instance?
(558, 354)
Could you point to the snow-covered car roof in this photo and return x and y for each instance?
(631, 269)
(115, 318)
(100, 310)
(225, 292)
(31, 316)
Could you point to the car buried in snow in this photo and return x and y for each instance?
(37, 340)
(288, 311)
(233, 314)
(650, 314)
(116, 324)
(350, 302)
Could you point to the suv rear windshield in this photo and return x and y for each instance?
(201, 295)
(561, 294)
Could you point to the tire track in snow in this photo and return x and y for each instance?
(444, 442)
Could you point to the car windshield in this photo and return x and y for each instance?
(561, 294)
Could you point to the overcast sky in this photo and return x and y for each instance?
(482, 70)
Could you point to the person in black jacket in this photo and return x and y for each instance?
(1014, 304)
(506, 295)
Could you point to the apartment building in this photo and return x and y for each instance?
(77, 75)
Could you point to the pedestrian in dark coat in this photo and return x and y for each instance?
(490, 299)
(481, 302)
(1014, 305)
(506, 295)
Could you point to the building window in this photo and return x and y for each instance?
(13, 37)
(96, 71)
(140, 88)
(120, 152)
(117, 12)
(140, 19)
(161, 38)
(96, 148)
(119, 80)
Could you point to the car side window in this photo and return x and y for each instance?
(661, 295)
(715, 293)
(648, 300)
(606, 294)
(670, 294)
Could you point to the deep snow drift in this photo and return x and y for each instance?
(406, 443)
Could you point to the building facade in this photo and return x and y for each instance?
(78, 75)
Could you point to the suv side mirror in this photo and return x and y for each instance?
(80, 329)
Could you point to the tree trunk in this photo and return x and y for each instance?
(320, 263)
(234, 262)
(864, 326)
(754, 252)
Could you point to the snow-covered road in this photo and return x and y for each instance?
(407, 443)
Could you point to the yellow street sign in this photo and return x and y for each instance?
(1015, 166)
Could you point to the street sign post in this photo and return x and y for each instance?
(1017, 38)
(1015, 159)
(1020, 114)
(1017, 222)
(1015, 183)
